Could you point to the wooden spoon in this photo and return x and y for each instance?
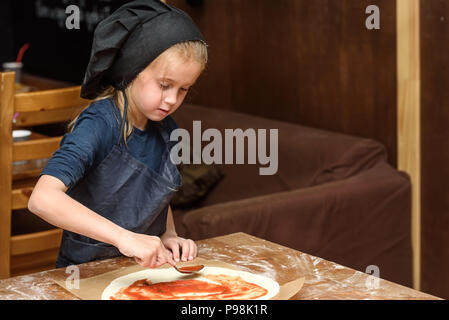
(189, 269)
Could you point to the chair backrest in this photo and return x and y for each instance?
(33, 108)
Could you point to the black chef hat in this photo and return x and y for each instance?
(130, 39)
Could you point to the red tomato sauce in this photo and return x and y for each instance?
(190, 268)
(223, 288)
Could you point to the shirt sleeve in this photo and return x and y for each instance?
(92, 135)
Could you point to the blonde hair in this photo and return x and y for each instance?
(180, 52)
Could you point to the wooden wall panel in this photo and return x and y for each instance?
(435, 146)
(311, 62)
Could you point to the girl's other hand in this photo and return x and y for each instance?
(148, 251)
(179, 246)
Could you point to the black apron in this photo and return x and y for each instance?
(128, 193)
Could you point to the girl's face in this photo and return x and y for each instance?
(160, 89)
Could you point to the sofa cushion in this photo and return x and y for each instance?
(360, 221)
(197, 181)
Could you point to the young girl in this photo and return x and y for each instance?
(110, 183)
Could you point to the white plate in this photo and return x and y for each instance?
(170, 274)
(21, 134)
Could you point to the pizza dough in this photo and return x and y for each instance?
(210, 283)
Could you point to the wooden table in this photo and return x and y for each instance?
(323, 279)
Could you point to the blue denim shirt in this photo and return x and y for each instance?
(95, 132)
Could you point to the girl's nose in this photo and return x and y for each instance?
(170, 97)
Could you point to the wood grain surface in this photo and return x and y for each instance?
(308, 62)
(434, 144)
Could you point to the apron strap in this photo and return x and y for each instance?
(123, 121)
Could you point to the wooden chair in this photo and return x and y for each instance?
(35, 108)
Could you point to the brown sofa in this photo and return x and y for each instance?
(333, 196)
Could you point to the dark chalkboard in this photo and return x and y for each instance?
(55, 51)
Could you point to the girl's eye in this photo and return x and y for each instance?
(185, 89)
(164, 86)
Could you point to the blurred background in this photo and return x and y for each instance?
(308, 62)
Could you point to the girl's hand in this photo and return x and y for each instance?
(148, 251)
(179, 245)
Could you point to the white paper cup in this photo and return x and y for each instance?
(20, 135)
(14, 66)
